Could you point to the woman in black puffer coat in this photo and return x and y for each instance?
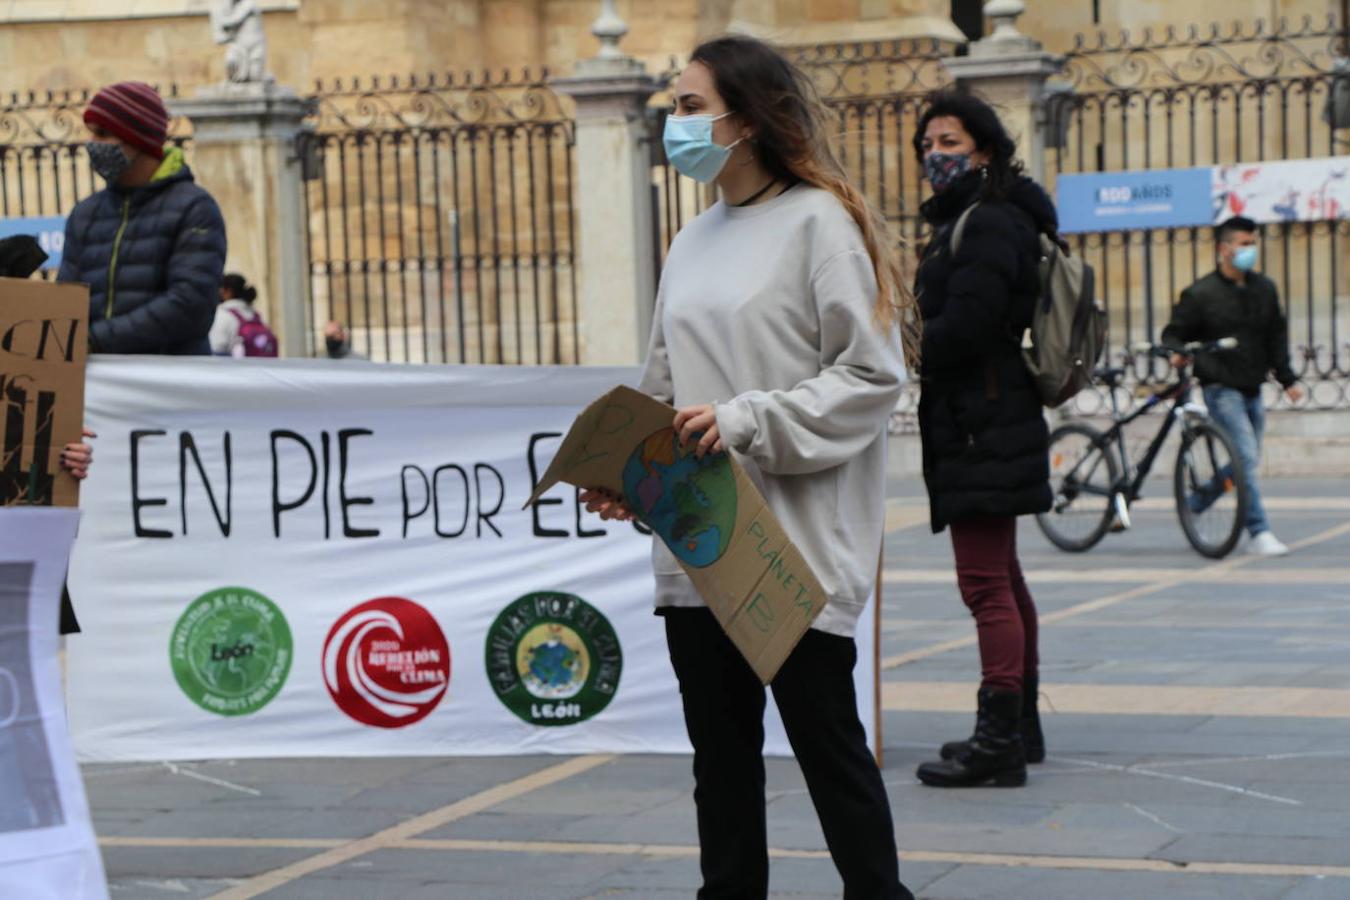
(985, 440)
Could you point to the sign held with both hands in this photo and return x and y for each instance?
(708, 513)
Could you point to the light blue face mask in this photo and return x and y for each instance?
(691, 149)
(1246, 258)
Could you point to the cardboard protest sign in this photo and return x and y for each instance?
(43, 343)
(708, 512)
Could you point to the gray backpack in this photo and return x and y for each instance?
(1068, 327)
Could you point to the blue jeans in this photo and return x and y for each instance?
(1244, 418)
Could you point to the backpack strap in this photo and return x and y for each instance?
(959, 231)
(238, 316)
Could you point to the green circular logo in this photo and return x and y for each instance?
(231, 651)
(553, 659)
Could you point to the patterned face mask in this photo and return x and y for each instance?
(107, 160)
(942, 169)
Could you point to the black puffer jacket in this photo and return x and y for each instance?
(984, 434)
(153, 257)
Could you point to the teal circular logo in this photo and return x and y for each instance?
(553, 659)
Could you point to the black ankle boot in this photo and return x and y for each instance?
(993, 755)
(1033, 739)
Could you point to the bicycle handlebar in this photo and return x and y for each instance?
(1189, 349)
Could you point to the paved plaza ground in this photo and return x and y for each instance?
(1197, 716)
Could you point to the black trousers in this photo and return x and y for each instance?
(724, 713)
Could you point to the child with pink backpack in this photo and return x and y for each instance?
(239, 329)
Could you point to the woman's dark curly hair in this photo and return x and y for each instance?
(982, 123)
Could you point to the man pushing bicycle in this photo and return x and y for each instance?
(1236, 301)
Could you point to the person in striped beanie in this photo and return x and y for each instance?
(151, 245)
(129, 125)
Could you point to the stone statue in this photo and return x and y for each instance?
(238, 25)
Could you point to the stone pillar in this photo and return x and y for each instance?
(617, 266)
(1010, 70)
(244, 152)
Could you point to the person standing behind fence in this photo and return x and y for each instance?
(984, 436)
(151, 245)
(1237, 301)
(775, 333)
(239, 329)
(337, 342)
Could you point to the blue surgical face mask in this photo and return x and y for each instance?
(691, 149)
(1245, 258)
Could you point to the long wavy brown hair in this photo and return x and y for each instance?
(791, 130)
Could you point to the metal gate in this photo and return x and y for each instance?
(441, 225)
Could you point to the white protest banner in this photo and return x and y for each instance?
(47, 848)
(330, 558)
(1298, 190)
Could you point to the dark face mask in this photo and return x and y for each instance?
(945, 169)
(335, 347)
(107, 160)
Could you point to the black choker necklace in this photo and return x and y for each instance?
(757, 194)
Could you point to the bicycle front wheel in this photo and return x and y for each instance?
(1083, 475)
(1210, 491)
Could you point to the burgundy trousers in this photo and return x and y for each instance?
(994, 591)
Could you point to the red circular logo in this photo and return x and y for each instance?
(386, 663)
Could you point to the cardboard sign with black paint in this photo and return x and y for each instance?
(44, 340)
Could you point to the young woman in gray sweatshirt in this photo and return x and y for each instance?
(776, 335)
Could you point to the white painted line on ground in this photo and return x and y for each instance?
(218, 782)
(1268, 757)
(1155, 819)
(267, 881)
(1184, 779)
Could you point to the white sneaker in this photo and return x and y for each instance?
(1266, 544)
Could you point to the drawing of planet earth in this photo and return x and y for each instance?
(689, 502)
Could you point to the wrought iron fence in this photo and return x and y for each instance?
(441, 224)
(1219, 96)
(44, 170)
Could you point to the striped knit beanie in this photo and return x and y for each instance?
(133, 112)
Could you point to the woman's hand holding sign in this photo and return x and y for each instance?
(75, 458)
(607, 504)
(692, 420)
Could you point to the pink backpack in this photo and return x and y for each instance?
(254, 335)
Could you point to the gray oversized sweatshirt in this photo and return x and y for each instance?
(766, 311)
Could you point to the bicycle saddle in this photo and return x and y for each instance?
(1109, 376)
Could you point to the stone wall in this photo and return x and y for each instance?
(86, 43)
(1057, 22)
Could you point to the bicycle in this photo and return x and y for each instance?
(1095, 481)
